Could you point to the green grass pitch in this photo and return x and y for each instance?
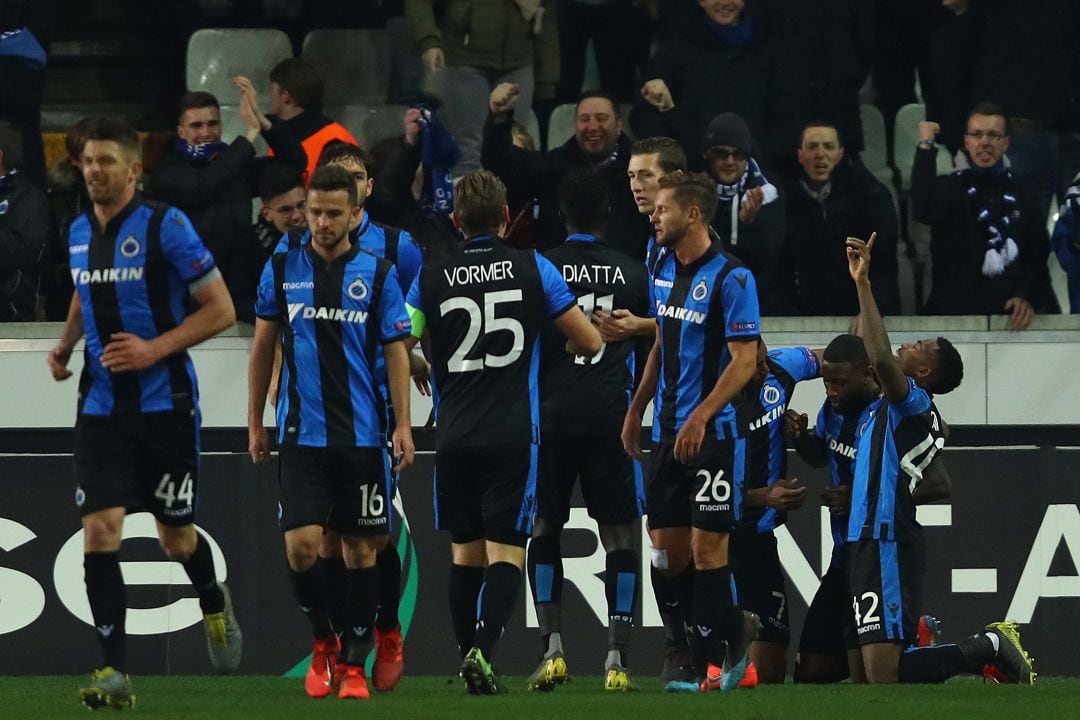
(269, 698)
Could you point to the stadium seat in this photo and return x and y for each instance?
(905, 138)
(354, 64)
(561, 125)
(875, 152)
(369, 123)
(216, 55)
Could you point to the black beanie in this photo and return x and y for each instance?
(728, 129)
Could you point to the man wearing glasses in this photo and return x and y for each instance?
(750, 212)
(988, 244)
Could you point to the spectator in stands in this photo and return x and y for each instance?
(1024, 59)
(25, 226)
(24, 30)
(213, 182)
(717, 63)
(1066, 242)
(296, 96)
(598, 141)
(834, 197)
(280, 187)
(399, 182)
(750, 211)
(67, 199)
(988, 236)
(472, 46)
(821, 54)
(605, 22)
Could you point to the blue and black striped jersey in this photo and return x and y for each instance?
(390, 243)
(334, 318)
(135, 277)
(699, 307)
(893, 447)
(839, 431)
(760, 411)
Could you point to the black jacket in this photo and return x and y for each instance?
(821, 53)
(958, 241)
(815, 258)
(534, 174)
(758, 245)
(706, 78)
(25, 227)
(216, 195)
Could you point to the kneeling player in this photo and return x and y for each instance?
(755, 562)
(333, 305)
(885, 547)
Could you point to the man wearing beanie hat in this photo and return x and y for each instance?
(749, 215)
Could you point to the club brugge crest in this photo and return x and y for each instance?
(770, 395)
(701, 291)
(357, 289)
(130, 246)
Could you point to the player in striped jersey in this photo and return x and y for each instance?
(902, 435)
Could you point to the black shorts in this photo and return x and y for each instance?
(146, 461)
(486, 492)
(347, 490)
(885, 584)
(827, 619)
(759, 583)
(611, 480)
(707, 494)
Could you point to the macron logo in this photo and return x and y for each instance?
(106, 630)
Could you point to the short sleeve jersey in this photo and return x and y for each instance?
(589, 396)
(484, 305)
(700, 307)
(760, 411)
(334, 317)
(839, 431)
(893, 447)
(135, 277)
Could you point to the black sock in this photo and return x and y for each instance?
(336, 589)
(310, 594)
(938, 663)
(621, 580)
(360, 604)
(200, 570)
(715, 618)
(464, 588)
(108, 604)
(667, 602)
(682, 586)
(389, 563)
(497, 600)
(546, 578)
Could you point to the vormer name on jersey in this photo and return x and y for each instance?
(468, 274)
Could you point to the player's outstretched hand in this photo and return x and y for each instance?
(258, 444)
(795, 424)
(688, 440)
(784, 495)
(404, 450)
(127, 353)
(58, 360)
(858, 255)
(837, 499)
(631, 435)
